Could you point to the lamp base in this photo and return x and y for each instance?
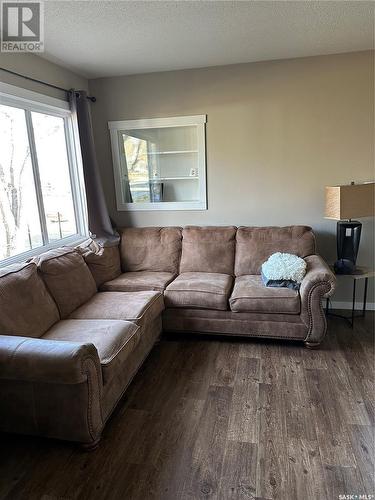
(348, 237)
(344, 266)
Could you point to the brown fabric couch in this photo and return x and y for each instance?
(76, 324)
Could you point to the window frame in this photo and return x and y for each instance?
(148, 123)
(30, 101)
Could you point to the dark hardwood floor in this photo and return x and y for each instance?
(222, 419)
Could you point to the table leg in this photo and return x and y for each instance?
(365, 298)
(353, 303)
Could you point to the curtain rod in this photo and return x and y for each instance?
(90, 98)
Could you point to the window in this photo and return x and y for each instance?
(160, 163)
(41, 189)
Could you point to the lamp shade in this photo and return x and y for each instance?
(350, 201)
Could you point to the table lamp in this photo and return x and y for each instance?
(344, 203)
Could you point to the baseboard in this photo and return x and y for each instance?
(370, 306)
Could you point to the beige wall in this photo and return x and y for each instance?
(36, 67)
(277, 133)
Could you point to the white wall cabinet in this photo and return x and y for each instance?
(160, 163)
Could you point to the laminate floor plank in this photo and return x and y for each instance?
(332, 435)
(243, 414)
(298, 407)
(305, 470)
(225, 364)
(352, 402)
(209, 446)
(222, 419)
(238, 478)
(363, 443)
(30, 466)
(343, 481)
(272, 446)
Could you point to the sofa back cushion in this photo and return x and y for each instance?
(208, 249)
(103, 262)
(67, 277)
(255, 244)
(26, 307)
(150, 249)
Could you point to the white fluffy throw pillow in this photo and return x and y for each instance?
(284, 266)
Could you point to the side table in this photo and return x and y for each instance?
(359, 274)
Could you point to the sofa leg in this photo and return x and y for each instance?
(90, 446)
(312, 345)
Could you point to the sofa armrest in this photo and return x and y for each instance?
(318, 283)
(49, 361)
(50, 388)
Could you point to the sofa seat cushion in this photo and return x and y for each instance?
(26, 307)
(138, 307)
(114, 340)
(67, 277)
(138, 282)
(202, 290)
(251, 295)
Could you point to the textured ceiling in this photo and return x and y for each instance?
(108, 38)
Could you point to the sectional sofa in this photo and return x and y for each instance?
(77, 323)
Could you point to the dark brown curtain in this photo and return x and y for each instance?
(99, 222)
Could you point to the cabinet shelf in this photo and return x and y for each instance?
(156, 153)
(189, 177)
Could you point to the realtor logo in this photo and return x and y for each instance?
(22, 26)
